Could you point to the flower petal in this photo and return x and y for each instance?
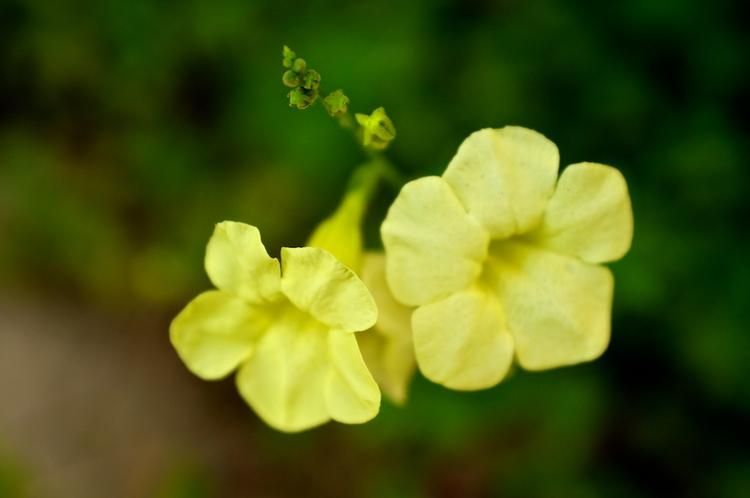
(317, 282)
(215, 332)
(387, 348)
(394, 319)
(237, 262)
(433, 248)
(285, 379)
(391, 361)
(352, 396)
(462, 341)
(558, 307)
(589, 216)
(504, 177)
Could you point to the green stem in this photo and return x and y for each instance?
(385, 168)
(387, 171)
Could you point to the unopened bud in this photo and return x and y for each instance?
(311, 79)
(299, 65)
(291, 79)
(287, 56)
(301, 98)
(336, 103)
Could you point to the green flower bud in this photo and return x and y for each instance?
(311, 79)
(287, 56)
(301, 98)
(336, 103)
(291, 79)
(299, 65)
(377, 129)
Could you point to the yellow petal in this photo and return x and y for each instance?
(391, 361)
(433, 248)
(558, 307)
(394, 319)
(317, 282)
(589, 216)
(462, 341)
(504, 177)
(237, 262)
(387, 348)
(352, 396)
(341, 234)
(285, 379)
(215, 332)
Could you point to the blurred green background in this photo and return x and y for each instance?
(127, 129)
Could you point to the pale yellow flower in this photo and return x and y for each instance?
(502, 258)
(386, 347)
(287, 328)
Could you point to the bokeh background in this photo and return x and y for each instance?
(128, 128)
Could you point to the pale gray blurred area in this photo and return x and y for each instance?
(89, 414)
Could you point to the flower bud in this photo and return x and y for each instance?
(287, 56)
(291, 79)
(299, 65)
(311, 79)
(336, 103)
(301, 98)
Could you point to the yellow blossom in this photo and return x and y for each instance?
(387, 347)
(502, 258)
(286, 328)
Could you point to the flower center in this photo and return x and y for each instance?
(287, 312)
(504, 256)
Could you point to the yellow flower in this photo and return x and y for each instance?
(287, 329)
(387, 347)
(502, 258)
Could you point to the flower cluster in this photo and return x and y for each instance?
(303, 81)
(497, 259)
(373, 131)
